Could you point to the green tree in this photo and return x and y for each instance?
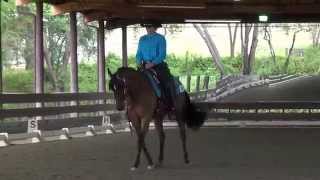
(293, 29)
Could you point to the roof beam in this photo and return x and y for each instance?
(83, 5)
(213, 12)
(191, 9)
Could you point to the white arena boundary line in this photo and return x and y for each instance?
(255, 124)
(36, 136)
(286, 81)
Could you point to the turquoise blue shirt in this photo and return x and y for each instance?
(151, 48)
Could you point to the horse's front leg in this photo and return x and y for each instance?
(159, 127)
(137, 127)
(182, 128)
(136, 122)
(143, 134)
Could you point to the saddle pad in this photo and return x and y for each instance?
(178, 86)
(156, 84)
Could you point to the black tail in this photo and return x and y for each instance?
(194, 117)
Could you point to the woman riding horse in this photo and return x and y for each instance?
(134, 92)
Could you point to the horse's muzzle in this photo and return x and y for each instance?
(120, 107)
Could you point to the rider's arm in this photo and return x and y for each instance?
(139, 58)
(161, 50)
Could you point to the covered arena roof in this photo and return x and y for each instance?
(178, 11)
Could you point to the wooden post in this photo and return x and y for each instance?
(34, 51)
(39, 48)
(101, 62)
(74, 83)
(74, 86)
(98, 49)
(188, 83)
(198, 84)
(124, 47)
(206, 83)
(1, 87)
(101, 59)
(39, 64)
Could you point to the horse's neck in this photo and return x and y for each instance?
(135, 81)
(137, 84)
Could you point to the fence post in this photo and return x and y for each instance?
(188, 83)
(198, 84)
(206, 83)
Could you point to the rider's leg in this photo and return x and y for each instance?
(166, 81)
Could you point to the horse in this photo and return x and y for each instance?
(134, 93)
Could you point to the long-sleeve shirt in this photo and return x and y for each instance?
(151, 48)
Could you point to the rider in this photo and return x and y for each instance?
(151, 54)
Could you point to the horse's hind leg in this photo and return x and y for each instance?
(159, 127)
(182, 128)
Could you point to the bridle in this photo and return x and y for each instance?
(124, 85)
(126, 97)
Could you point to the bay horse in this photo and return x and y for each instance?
(134, 93)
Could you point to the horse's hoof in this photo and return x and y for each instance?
(133, 168)
(150, 167)
(158, 165)
(188, 163)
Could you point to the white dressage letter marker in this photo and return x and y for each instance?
(4, 139)
(65, 134)
(32, 125)
(108, 131)
(91, 131)
(37, 138)
(106, 121)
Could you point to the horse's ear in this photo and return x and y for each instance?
(109, 72)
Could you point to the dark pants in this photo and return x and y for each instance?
(166, 82)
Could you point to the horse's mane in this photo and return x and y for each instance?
(130, 73)
(123, 70)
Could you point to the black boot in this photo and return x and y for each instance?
(170, 91)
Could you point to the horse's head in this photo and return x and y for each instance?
(117, 84)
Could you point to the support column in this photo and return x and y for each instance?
(34, 51)
(39, 66)
(124, 47)
(101, 63)
(74, 86)
(101, 59)
(1, 88)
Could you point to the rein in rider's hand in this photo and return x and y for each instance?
(146, 65)
(149, 65)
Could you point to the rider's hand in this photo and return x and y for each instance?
(149, 65)
(141, 66)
